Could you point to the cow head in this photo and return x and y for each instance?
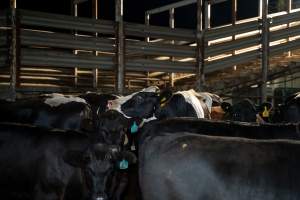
(140, 104)
(244, 111)
(113, 127)
(97, 164)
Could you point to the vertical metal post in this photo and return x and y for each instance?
(13, 50)
(289, 9)
(75, 13)
(207, 14)
(171, 25)
(95, 16)
(265, 49)
(234, 18)
(200, 44)
(147, 23)
(120, 39)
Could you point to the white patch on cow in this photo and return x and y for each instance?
(132, 148)
(298, 96)
(56, 99)
(117, 103)
(190, 97)
(126, 140)
(184, 146)
(206, 98)
(114, 150)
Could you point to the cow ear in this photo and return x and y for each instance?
(164, 96)
(77, 158)
(226, 106)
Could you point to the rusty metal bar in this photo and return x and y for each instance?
(172, 26)
(120, 64)
(13, 49)
(95, 16)
(200, 79)
(265, 49)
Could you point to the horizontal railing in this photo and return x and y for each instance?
(39, 57)
(81, 45)
(39, 19)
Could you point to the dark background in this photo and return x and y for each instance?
(134, 10)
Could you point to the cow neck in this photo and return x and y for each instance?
(190, 98)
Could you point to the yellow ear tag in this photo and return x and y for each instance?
(266, 112)
(163, 102)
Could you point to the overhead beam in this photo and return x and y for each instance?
(180, 4)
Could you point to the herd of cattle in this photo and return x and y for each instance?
(150, 145)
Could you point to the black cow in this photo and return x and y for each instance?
(222, 128)
(289, 111)
(186, 104)
(186, 166)
(51, 111)
(97, 102)
(49, 165)
(247, 111)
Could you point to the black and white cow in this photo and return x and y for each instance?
(131, 110)
(187, 104)
(188, 166)
(42, 164)
(120, 123)
(50, 111)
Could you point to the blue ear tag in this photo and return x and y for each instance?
(123, 164)
(134, 128)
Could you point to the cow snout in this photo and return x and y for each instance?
(101, 197)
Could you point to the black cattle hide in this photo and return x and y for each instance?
(71, 115)
(49, 165)
(186, 166)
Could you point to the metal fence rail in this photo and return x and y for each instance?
(141, 30)
(50, 58)
(69, 49)
(3, 18)
(158, 49)
(66, 41)
(39, 19)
